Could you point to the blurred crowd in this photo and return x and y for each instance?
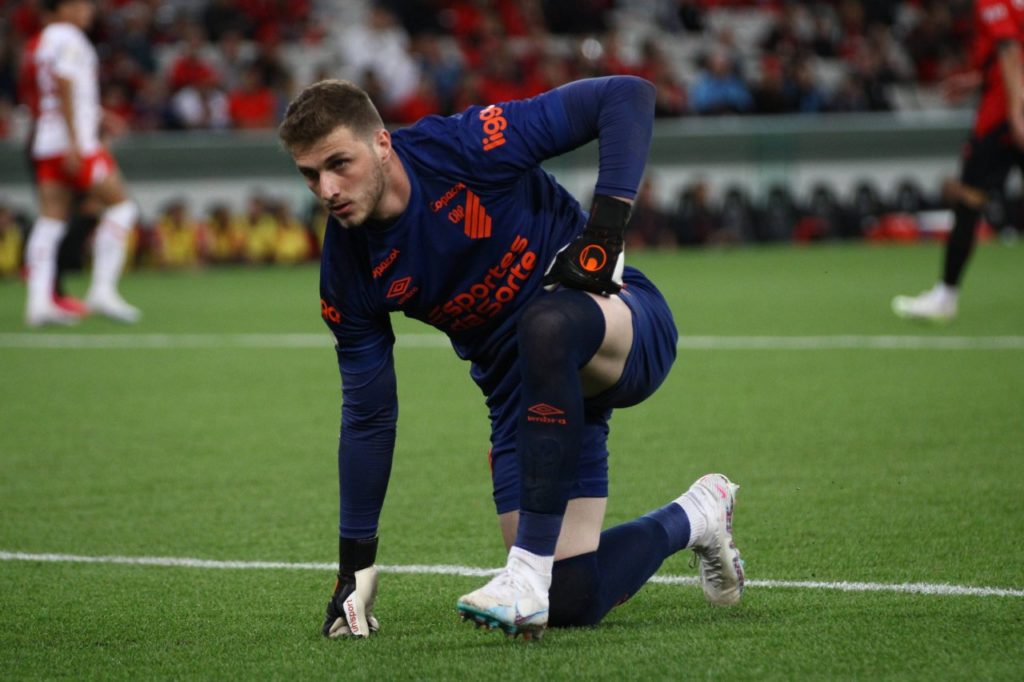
(213, 64)
(266, 232)
(269, 232)
(700, 216)
(235, 64)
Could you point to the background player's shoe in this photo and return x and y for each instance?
(113, 306)
(512, 602)
(938, 304)
(70, 304)
(721, 570)
(49, 314)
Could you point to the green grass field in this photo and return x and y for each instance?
(857, 463)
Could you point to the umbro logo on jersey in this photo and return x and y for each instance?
(543, 413)
(402, 289)
(399, 287)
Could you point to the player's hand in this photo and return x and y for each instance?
(72, 162)
(593, 261)
(350, 611)
(1016, 122)
(959, 85)
(112, 125)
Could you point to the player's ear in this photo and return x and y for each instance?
(382, 144)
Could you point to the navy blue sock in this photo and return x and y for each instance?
(538, 533)
(676, 523)
(557, 334)
(586, 587)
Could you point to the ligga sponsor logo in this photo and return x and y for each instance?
(494, 127)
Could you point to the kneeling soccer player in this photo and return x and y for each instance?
(453, 222)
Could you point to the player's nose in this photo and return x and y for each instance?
(330, 186)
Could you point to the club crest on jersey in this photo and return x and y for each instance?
(473, 216)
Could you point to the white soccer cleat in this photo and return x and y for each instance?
(111, 305)
(510, 602)
(721, 570)
(50, 314)
(938, 304)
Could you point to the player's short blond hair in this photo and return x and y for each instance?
(324, 106)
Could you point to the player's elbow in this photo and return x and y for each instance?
(639, 91)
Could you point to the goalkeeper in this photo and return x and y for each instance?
(453, 222)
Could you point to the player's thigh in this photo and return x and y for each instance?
(581, 527)
(605, 368)
(985, 164)
(54, 199)
(110, 190)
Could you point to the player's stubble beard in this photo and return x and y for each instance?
(370, 198)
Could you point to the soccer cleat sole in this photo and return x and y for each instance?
(529, 633)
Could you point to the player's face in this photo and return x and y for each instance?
(346, 173)
(80, 13)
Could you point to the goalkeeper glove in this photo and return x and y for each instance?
(594, 260)
(350, 610)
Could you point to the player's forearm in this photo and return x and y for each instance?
(369, 416)
(65, 95)
(619, 111)
(364, 469)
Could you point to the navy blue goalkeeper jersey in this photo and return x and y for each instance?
(482, 225)
(468, 253)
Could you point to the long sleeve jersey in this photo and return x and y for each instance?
(483, 223)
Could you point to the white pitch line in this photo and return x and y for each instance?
(44, 341)
(937, 589)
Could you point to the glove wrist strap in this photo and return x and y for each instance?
(608, 217)
(355, 555)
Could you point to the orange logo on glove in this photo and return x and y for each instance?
(593, 258)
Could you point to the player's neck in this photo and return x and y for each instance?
(396, 195)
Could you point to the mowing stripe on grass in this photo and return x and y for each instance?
(29, 340)
(469, 571)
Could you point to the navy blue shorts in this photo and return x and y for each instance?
(654, 350)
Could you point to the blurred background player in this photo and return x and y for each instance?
(68, 158)
(995, 145)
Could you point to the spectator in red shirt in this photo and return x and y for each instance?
(252, 105)
(191, 67)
